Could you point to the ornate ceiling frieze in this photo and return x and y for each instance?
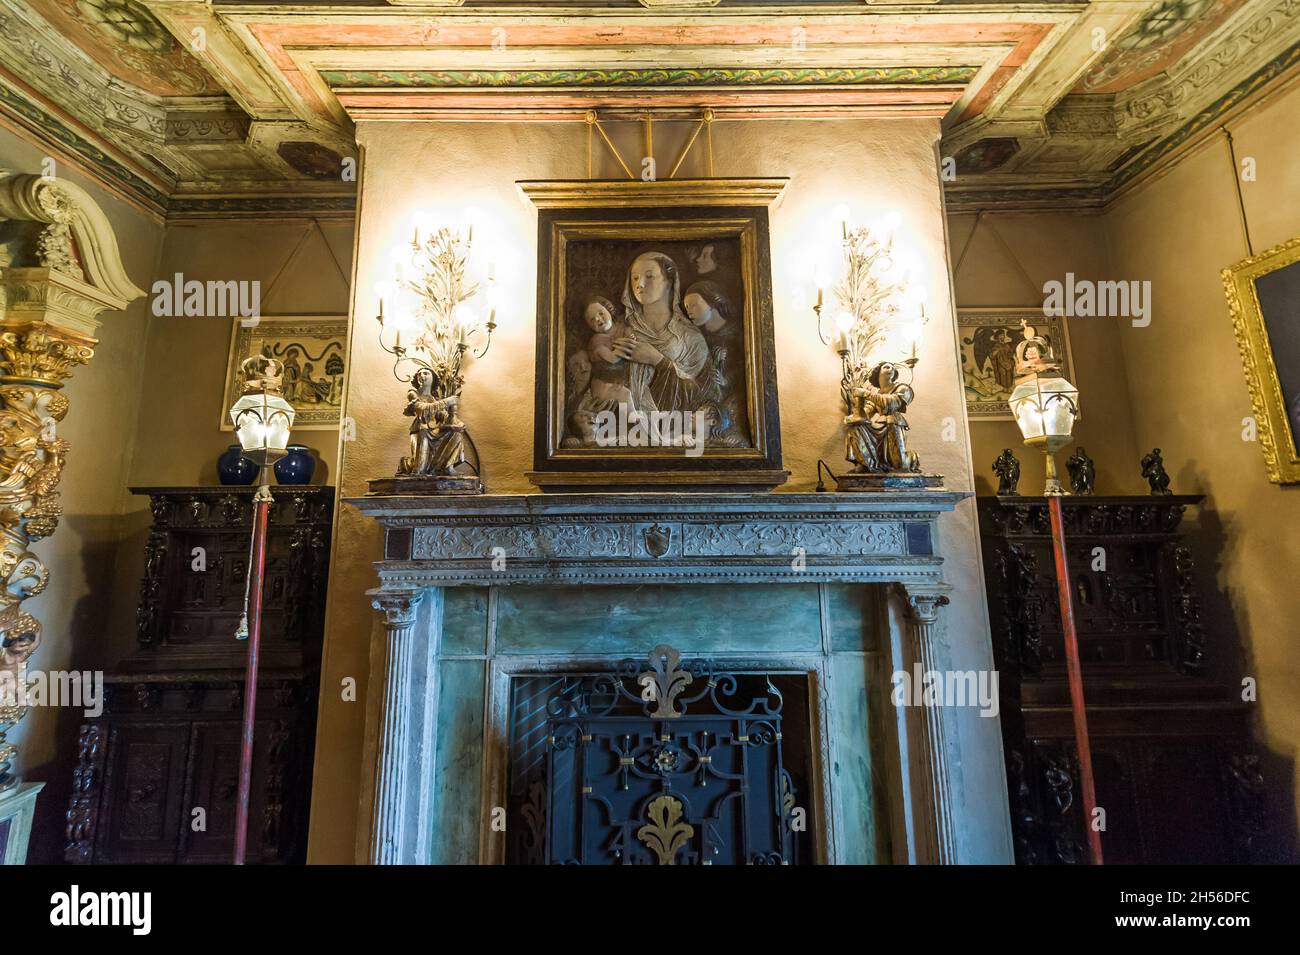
(218, 107)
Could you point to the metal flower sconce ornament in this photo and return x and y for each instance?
(431, 315)
(878, 303)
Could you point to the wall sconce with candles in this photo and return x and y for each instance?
(877, 301)
(430, 317)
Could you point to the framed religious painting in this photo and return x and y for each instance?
(1264, 299)
(656, 366)
(988, 338)
(314, 352)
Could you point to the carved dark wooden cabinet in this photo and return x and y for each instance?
(1172, 756)
(157, 770)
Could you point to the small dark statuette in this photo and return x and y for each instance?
(1083, 472)
(1153, 469)
(1007, 468)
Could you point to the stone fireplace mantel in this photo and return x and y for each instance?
(584, 540)
(498, 539)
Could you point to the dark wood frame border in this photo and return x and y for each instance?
(671, 209)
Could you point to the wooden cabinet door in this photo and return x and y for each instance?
(144, 789)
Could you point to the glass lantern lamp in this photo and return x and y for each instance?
(1044, 403)
(262, 419)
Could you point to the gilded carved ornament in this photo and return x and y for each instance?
(58, 270)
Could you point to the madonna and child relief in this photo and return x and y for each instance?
(654, 347)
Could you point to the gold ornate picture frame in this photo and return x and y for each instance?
(314, 351)
(1264, 301)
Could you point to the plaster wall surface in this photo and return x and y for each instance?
(302, 269)
(1188, 395)
(1002, 260)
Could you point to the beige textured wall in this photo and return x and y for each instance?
(1188, 394)
(1003, 260)
(182, 393)
(874, 167)
(105, 398)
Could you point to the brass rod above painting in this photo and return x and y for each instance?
(703, 120)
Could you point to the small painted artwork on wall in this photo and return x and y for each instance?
(313, 350)
(988, 338)
(655, 357)
(1264, 299)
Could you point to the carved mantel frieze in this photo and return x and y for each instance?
(586, 539)
(59, 269)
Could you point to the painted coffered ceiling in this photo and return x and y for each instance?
(196, 107)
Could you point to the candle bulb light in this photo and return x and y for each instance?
(874, 297)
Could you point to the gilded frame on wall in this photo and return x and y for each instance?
(1264, 300)
(986, 339)
(314, 351)
(713, 364)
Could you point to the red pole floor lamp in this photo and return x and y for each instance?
(1046, 406)
(262, 419)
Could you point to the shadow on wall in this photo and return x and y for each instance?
(84, 648)
(1228, 661)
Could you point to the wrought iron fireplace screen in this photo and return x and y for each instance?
(666, 764)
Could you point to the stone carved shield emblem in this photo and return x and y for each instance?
(657, 539)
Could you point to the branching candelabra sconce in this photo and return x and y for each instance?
(877, 302)
(60, 268)
(430, 318)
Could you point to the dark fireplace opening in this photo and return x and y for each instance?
(601, 774)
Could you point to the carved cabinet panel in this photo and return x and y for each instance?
(144, 778)
(157, 772)
(196, 565)
(159, 783)
(1171, 748)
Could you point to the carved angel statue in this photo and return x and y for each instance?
(437, 433)
(1083, 472)
(1007, 468)
(1153, 469)
(875, 439)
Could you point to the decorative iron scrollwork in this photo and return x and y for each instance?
(675, 765)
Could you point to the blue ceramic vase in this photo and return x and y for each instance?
(235, 469)
(297, 466)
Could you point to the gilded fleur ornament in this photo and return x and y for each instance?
(663, 682)
(665, 834)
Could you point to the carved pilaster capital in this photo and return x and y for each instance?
(398, 607)
(922, 603)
